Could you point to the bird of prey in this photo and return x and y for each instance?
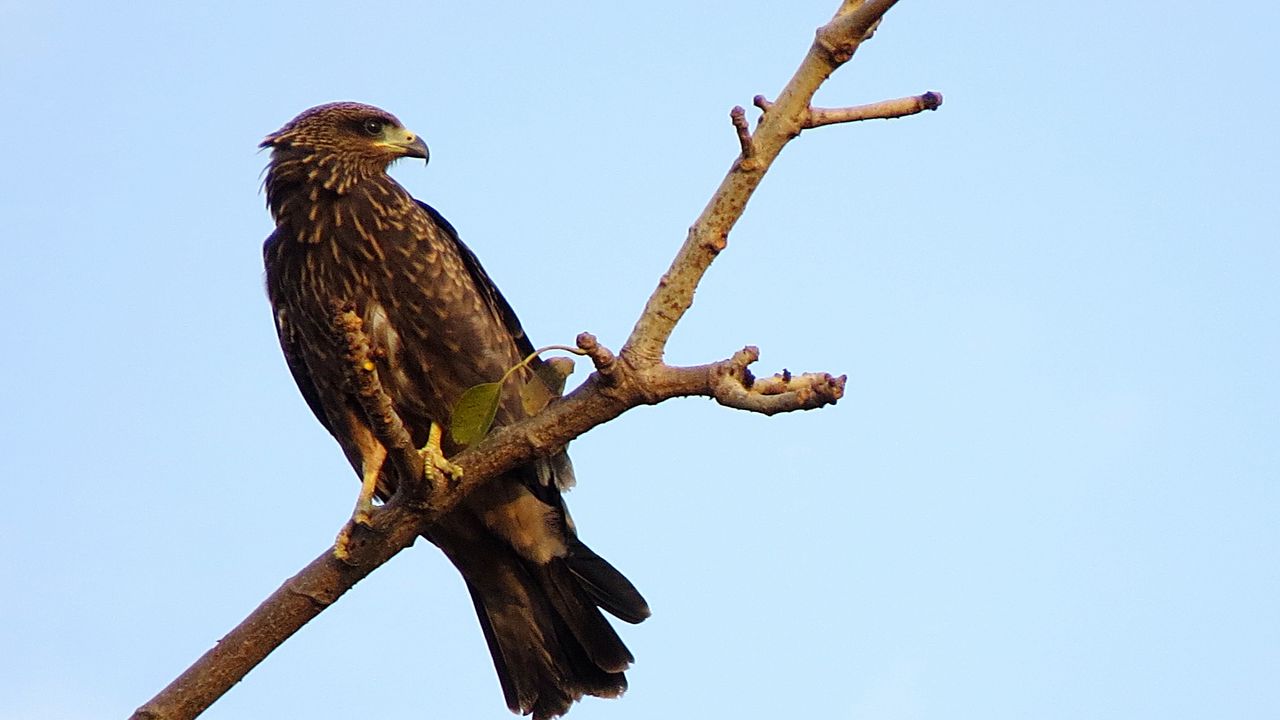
(347, 233)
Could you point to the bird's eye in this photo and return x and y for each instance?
(372, 127)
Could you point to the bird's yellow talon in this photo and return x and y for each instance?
(434, 464)
(342, 542)
(362, 515)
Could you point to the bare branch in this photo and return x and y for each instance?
(601, 356)
(293, 605)
(739, 118)
(884, 110)
(782, 393)
(854, 23)
(833, 45)
(635, 376)
(395, 526)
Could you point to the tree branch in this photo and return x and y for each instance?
(833, 45)
(635, 376)
(883, 110)
(293, 605)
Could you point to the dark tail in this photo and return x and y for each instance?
(549, 641)
(609, 588)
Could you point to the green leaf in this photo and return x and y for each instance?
(474, 413)
(534, 396)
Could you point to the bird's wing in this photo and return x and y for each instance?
(546, 375)
(294, 356)
(555, 473)
(483, 282)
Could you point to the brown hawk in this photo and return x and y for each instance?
(347, 233)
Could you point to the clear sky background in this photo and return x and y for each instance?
(1051, 491)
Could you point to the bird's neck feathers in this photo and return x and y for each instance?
(322, 168)
(303, 187)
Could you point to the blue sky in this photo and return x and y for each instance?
(1051, 490)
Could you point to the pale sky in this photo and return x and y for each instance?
(1052, 488)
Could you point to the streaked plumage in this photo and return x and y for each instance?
(345, 231)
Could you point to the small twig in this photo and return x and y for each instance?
(781, 393)
(601, 356)
(735, 387)
(883, 110)
(739, 118)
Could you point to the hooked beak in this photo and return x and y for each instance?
(406, 144)
(417, 148)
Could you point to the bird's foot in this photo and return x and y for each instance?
(363, 513)
(435, 465)
(361, 517)
(343, 541)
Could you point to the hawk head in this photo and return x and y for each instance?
(339, 144)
